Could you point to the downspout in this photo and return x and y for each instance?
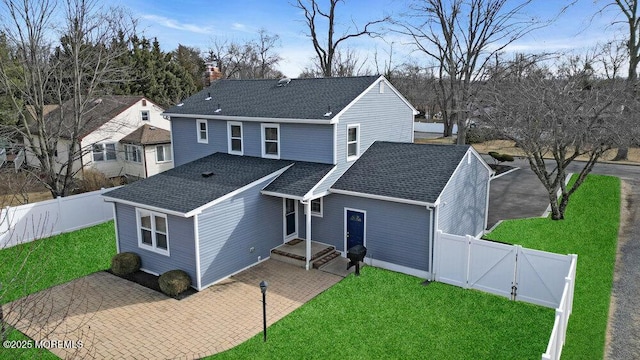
(144, 160)
(431, 244)
(196, 240)
(307, 209)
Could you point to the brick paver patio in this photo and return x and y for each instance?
(118, 319)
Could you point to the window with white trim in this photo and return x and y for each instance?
(132, 153)
(203, 133)
(104, 152)
(152, 231)
(316, 207)
(144, 115)
(234, 141)
(353, 141)
(271, 141)
(163, 153)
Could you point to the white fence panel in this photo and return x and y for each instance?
(25, 223)
(432, 127)
(451, 259)
(492, 266)
(563, 312)
(541, 276)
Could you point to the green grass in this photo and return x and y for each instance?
(35, 266)
(590, 229)
(387, 315)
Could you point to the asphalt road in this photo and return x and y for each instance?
(520, 194)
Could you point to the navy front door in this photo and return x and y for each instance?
(355, 228)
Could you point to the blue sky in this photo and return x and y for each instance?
(200, 23)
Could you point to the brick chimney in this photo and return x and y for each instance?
(211, 73)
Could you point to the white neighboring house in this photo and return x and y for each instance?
(111, 119)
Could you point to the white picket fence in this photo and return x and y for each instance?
(437, 128)
(518, 273)
(25, 223)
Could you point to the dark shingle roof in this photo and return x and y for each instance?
(299, 99)
(402, 170)
(183, 188)
(147, 135)
(299, 179)
(99, 111)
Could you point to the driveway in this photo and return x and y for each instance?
(118, 319)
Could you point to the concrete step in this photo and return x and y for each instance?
(326, 258)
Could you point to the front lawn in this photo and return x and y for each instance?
(38, 265)
(590, 229)
(388, 315)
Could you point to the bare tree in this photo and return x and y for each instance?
(252, 59)
(316, 19)
(78, 68)
(629, 10)
(461, 37)
(558, 115)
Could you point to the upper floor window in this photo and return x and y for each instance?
(234, 131)
(104, 152)
(132, 153)
(353, 141)
(144, 115)
(271, 141)
(203, 133)
(152, 231)
(163, 153)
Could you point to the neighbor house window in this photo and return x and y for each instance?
(203, 134)
(132, 153)
(144, 114)
(271, 141)
(163, 153)
(104, 152)
(316, 207)
(353, 141)
(234, 131)
(152, 231)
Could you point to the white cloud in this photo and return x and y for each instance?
(174, 24)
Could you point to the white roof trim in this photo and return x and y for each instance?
(475, 153)
(336, 118)
(222, 198)
(249, 118)
(381, 197)
(309, 193)
(281, 195)
(144, 206)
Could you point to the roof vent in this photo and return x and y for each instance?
(218, 109)
(180, 104)
(207, 174)
(284, 82)
(208, 97)
(152, 127)
(328, 113)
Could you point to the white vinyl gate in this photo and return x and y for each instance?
(511, 271)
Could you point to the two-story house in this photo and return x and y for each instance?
(329, 161)
(119, 135)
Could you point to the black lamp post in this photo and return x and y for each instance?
(263, 290)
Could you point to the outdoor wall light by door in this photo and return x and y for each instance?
(263, 290)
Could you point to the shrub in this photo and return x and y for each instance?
(95, 180)
(174, 282)
(500, 157)
(125, 263)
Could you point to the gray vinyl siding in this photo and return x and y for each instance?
(383, 117)
(181, 243)
(396, 233)
(463, 201)
(227, 232)
(186, 147)
(302, 142)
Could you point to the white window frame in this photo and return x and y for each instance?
(142, 115)
(166, 154)
(199, 131)
(104, 152)
(230, 138)
(357, 142)
(153, 247)
(135, 148)
(263, 127)
(316, 213)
